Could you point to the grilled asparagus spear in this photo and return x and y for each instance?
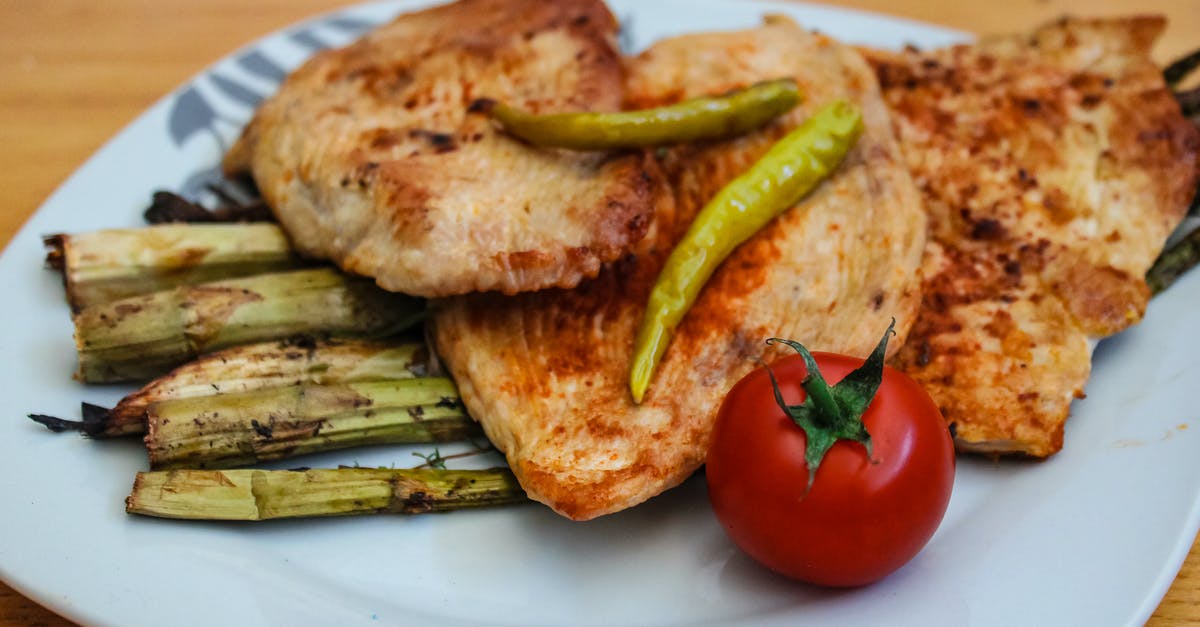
(241, 429)
(145, 336)
(264, 494)
(1173, 262)
(103, 266)
(261, 366)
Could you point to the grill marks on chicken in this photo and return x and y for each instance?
(1053, 166)
(546, 373)
(369, 156)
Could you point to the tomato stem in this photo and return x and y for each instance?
(820, 393)
(829, 414)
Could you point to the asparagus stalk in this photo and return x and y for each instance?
(103, 266)
(241, 429)
(264, 494)
(1173, 262)
(1180, 68)
(257, 367)
(141, 337)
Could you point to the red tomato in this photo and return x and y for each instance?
(861, 520)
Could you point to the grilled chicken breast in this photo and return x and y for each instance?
(369, 157)
(1053, 166)
(546, 373)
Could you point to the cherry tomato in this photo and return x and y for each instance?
(864, 516)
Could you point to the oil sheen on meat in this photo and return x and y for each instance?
(1054, 165)
(369, 157)
(546, 373)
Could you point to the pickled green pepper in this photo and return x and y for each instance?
(777, 181)
(712, 117)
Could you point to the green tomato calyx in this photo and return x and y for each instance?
(832, 413)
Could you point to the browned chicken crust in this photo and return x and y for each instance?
(547, 373)
(1053, 166)
(369, 157)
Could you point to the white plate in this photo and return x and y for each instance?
(1093, 536)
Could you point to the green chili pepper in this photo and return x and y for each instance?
(699, 118)
(776, 182)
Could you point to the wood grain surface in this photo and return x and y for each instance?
(74, 72)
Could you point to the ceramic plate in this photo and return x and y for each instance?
(1092, 536)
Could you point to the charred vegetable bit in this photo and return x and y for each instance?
(170, 207)
(1189, 102)
(141, 337)
(829, 414)
(93, 423)
(1194, 208)
(57, 425)
(242, 429)
(103, 266)
(1173, 262)
(254, 367)
(1181, 67)
(789, 170)
(691, 120)
(265, 494)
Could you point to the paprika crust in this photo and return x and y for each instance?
(546, 373)
(369, 155)
(1053, 164)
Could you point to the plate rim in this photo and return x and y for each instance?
(45, 597)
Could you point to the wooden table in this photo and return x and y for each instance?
(74, 72)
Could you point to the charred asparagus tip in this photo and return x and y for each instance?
(1173, 262)
(1189, 101)
(57, 425)
(167, 207)
(94, 423)
(55, 251)
(1181, 67)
